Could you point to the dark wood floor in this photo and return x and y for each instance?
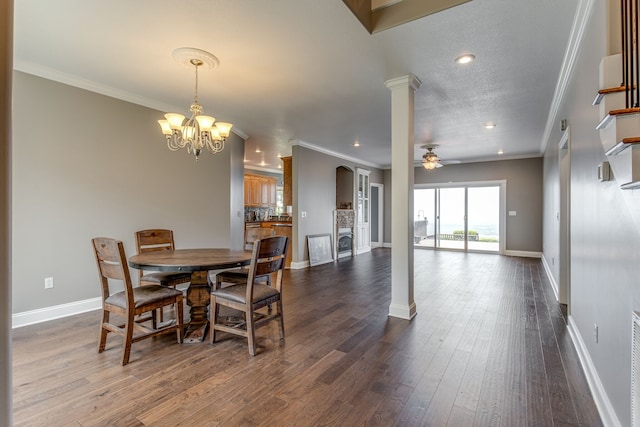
(489, 347)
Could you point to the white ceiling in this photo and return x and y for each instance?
(306, 70)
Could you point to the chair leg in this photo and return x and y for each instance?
(128, 338)
(281, 318)
(103, 332)
(154, 319)
(213, 318)
(251, 334)
(179, 320)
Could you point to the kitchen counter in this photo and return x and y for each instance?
(281, 228)
(267, 224)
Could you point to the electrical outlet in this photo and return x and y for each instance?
(595, 332)
(303, 214)
(48, 282)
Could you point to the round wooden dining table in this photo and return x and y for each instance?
(198, 262)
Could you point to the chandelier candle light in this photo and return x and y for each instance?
(198, 131)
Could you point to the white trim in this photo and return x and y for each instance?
(386, 245)
(406, 312)
(380, 188)
(299, 265)
(552, 280)
(605, 409)
(580, 21)
(524, 254)
(56, 312)
(334, 154)
(261, 169)
(78, 82)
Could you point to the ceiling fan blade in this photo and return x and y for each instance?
(439, 165)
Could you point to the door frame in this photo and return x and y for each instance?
(502, 229)
(380, 209)
(564, 219)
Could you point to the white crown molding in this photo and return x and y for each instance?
(261, 169)
(335, 154)
(581, 19)
(91, 86)
(484, 159)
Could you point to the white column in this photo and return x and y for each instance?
(402, 95)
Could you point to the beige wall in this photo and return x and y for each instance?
(314, 192)
(524, 194)
(91, 165)
(605, 242)
(6, 43)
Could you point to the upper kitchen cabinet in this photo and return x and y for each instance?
(260, 191)
(287, 198)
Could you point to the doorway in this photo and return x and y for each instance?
(460, 217)
(377, 218)
(564, 217)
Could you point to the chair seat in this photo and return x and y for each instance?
(143, 295)
(238, 293)
(166, 278)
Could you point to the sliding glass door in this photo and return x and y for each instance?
(465, 218)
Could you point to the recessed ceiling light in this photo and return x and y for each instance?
(356, 144)
(257, 150)
(262, 163)
(490, 125)
(465, 59)
(500, 151)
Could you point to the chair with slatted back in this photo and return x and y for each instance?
(239, 275)
(253, 296)
(158, 240)
(131, 302)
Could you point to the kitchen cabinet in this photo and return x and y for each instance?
(287, 191)
(260, 191)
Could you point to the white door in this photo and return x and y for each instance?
(377, 219)
(363, 212)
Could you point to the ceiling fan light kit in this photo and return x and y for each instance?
(430, 159)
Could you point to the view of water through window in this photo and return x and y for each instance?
(439, 218)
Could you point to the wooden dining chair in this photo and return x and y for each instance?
(131, 302)
(268, 257)
(153, 240)
(239, 275)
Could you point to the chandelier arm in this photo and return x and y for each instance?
(215, 147)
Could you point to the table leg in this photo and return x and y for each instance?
(198, 300)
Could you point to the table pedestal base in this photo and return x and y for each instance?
(198, 298)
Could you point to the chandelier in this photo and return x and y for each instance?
(198, 131)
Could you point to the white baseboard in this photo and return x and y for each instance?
(56, 312)
(299, 265)
(607, 413)
(554, 284)
(524, 254)
(386, 245)
(406, 312)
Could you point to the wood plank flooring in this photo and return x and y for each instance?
(489, 347)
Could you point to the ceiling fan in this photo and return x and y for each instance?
(431, 160)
